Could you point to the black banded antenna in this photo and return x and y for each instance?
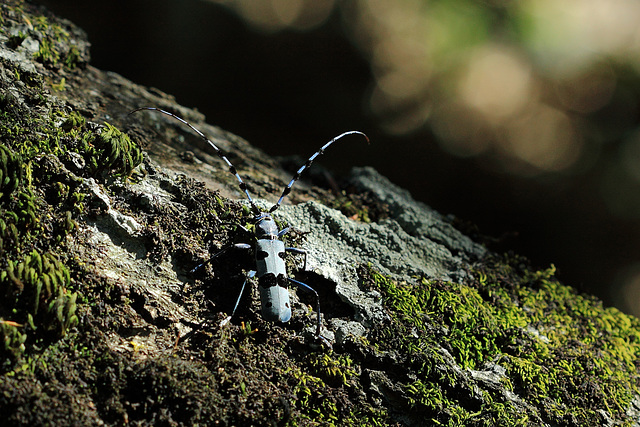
(234, 172)
(232, 169)
(296, 176)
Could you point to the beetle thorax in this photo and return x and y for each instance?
(266, 227)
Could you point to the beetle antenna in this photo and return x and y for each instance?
(296, 177)
(232, 169)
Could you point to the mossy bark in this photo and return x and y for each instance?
(103, 217)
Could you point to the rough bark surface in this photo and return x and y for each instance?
(104, 215)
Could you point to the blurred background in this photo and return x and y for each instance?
(520, 117)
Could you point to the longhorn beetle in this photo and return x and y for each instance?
(269, 249)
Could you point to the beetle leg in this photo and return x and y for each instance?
(220, 252)
(283, 232)
(246, 279)
(310, 289)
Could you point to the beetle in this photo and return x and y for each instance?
(269, 249)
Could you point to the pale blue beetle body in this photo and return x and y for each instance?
(272, 274)
(269, 249)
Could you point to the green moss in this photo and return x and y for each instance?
(116, 152)
(39, 284)
(309, 398)
(55, 42)
(74, 121)
(13, 338)
(47, 54)
(9, 236)
(105, 149)
(10, 171)
(35, 291)
(108, 150)
(334, 369)
(561, 351)
(39, 200)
